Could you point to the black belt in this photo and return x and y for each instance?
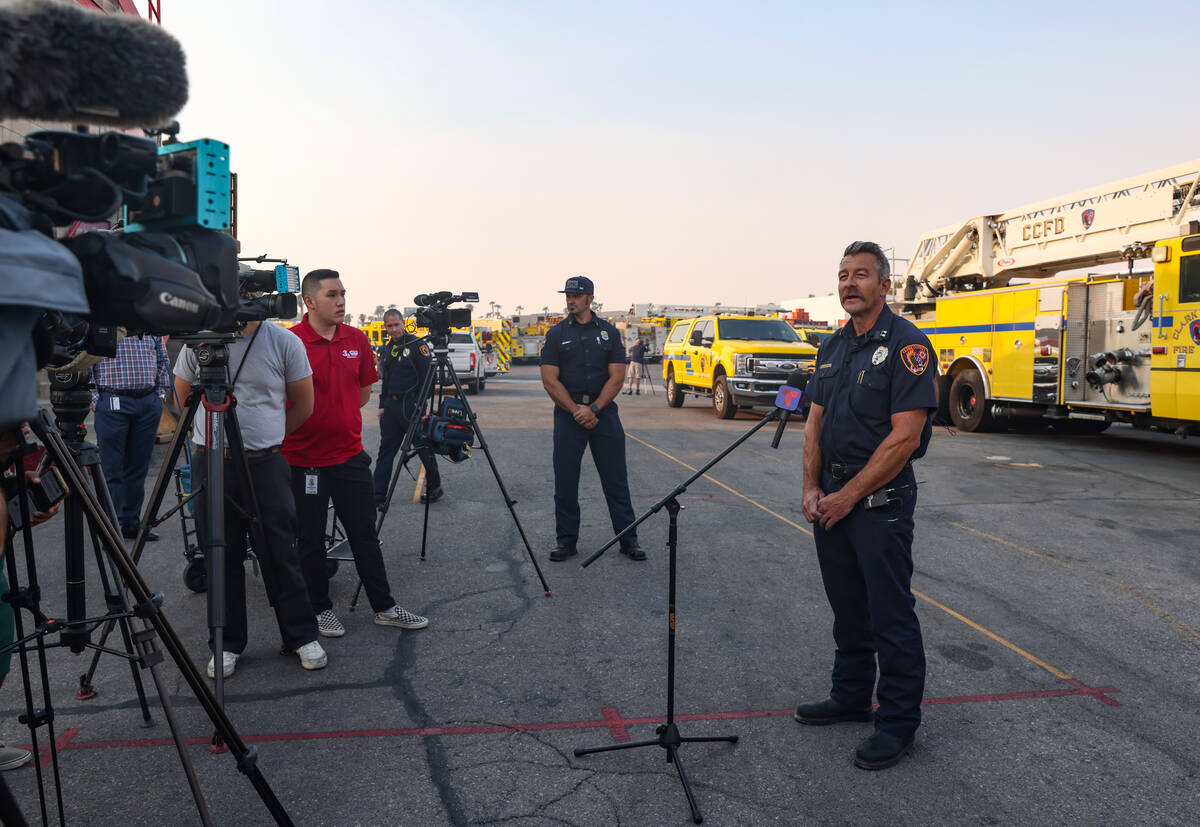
(396, 395)
(251, 453)
(136, 393)
(841, 471)
(584, 398)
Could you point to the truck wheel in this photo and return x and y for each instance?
(482, 383)
(674, 394)
(968, 404)
(471, 387)
(195, 576)
(723, 404)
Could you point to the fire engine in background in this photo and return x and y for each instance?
(1076, 352)
(495, 342)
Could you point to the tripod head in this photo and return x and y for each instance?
(71, 401)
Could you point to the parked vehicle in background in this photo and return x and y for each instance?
(468, 361)
(738, 361)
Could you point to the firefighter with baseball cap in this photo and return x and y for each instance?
(583, 369)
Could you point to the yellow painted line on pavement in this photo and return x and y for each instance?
(1058, 673)
(1175, 623)
(721, 484)
(420, 482)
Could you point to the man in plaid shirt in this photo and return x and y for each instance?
(127, 397)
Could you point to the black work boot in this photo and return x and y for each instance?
(881, 750)
(563, 552)
(830, 711)
(633, 551)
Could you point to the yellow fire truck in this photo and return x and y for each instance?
(1076, 352)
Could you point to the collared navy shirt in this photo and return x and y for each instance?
(583, 352)
(402, 365)
(860, 381)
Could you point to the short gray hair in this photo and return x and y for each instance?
(871, 249)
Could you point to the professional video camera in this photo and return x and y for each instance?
(170, 271)
(434, 311)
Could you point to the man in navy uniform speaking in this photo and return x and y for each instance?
(872, 402)
(583, 368)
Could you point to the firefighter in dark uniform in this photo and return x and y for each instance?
(403, 361)
(583, 368)
(872, 402)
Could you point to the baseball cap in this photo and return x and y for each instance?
(579, 284)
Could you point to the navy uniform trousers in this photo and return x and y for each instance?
(866, 565)
(607, 442)
(393, 424)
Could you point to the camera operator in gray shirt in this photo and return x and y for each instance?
(269, 369)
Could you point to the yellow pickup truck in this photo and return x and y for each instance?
(738, 361)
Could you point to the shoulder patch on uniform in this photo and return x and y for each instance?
(915, 358)
(424, 350)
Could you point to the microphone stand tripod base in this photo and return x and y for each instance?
(670, 740)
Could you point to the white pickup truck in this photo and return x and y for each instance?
(468, 361)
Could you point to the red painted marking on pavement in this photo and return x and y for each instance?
(61, 743)
(612, 720)
(1099, 693)
(616, 726)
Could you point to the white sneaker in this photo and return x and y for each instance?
(228, 662)
(13, 757)
(328, 624)
(403, 618)
(312, 656)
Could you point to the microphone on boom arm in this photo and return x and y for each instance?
(59, 62)
(790, 395)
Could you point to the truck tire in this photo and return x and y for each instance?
(482, 383)
(723, 404)
(674, 394)
(968, 404)
(471, 387)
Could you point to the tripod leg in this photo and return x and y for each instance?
(164, 473)
(673, 754)
(655, 742)
(115, 603)
(147, 606)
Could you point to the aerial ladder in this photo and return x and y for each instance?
(1092, 227)
(1025, 335)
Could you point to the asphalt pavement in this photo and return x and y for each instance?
(1058, 585)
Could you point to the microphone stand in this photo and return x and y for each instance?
(668, 732)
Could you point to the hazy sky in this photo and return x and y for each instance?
(683, 152)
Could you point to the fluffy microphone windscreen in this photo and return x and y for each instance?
(59, 62)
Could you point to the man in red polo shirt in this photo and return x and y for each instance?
(328, 460)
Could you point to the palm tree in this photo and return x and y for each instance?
(520, 307)
(379, 308)
(492, 312)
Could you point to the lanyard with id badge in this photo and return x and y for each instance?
(310, 481)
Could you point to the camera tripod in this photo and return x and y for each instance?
(146, 607)
(428, 401)
(668, 732)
